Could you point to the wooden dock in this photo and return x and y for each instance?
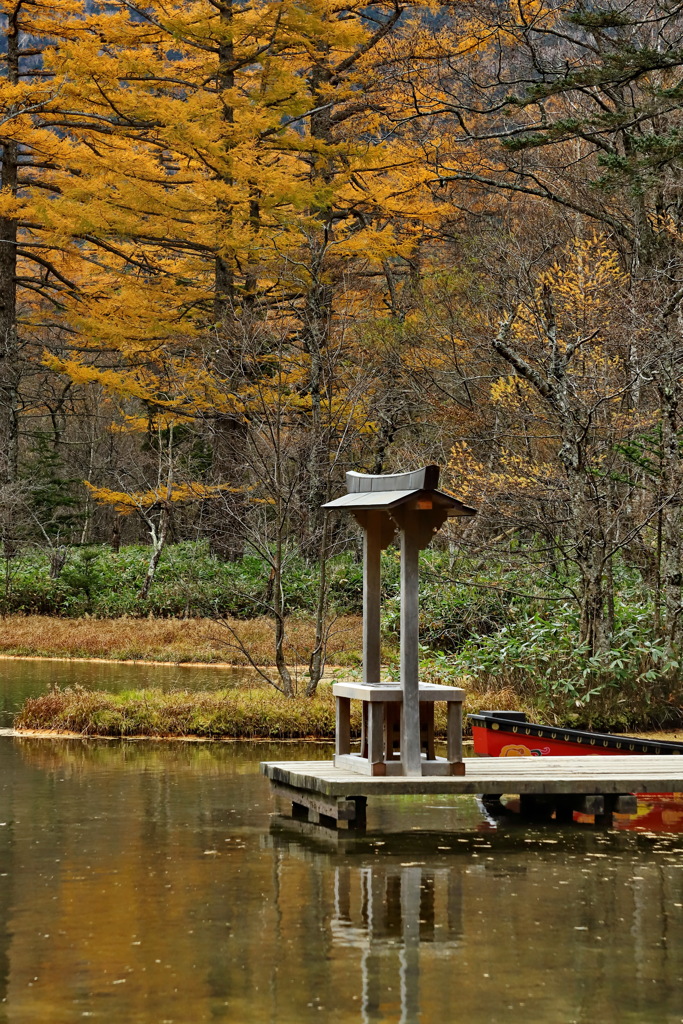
(323, 793)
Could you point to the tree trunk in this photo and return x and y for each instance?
(229, 432)
(586, 504)
(590, 554)
(316, 336)
(278, 605)
(672, 519)
(225, 80)
(317, 321)
(316, 665)
(158, 544)
(9, 343)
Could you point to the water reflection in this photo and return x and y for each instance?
(550, 925)
(150, 883)
(658, 812)
(385, 910)
(20, 679)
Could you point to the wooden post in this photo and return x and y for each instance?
(360, 818)
(410, 738)
(564, 808)
(376, 736)
(372, 549)
(392, 729)
(343, 726)
(427, 730)
(607, 817)
(454, 731)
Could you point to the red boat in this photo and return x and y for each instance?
(509, 734)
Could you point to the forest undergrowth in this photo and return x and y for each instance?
(484, 625)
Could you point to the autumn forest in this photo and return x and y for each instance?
(247, 246)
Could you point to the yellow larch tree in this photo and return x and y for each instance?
(563, 413)
(243, 161)
(35, 272)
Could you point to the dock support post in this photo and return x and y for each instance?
(536, 806)
(410, 739)
(606, 819)
(564, 808)
(616, 803)
(332, 812)
(359, 820)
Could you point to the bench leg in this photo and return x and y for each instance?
(375, 732)
(454, 731)
(342, 743)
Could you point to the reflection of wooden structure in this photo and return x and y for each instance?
(398, 718)
(382, 901)
(387, 910)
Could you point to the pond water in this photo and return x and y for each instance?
(152, 882)
(22, 678)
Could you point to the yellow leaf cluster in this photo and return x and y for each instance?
(125, 503)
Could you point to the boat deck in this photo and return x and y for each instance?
(646, 773)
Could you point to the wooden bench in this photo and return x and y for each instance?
(383, 728)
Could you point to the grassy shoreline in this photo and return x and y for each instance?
(255, 712)
(203, 643)
(172, 641)
(252, 711)
(329, 669)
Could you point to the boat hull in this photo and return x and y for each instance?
(509, 734)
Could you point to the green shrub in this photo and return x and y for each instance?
(189, 581)
(478, 619)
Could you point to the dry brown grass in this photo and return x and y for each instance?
(174, 640)
(254, 712)
(257, 712)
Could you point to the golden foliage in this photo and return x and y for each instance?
(125, 503)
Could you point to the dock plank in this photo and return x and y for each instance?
(645, 773)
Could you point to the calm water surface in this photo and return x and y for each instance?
(22, 678)
(152, 882)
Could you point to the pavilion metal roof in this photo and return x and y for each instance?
(387, 491)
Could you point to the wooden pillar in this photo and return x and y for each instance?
(607, 817)
(360, 817)
(372, 550)
(342, 731)
(376, 735)
(410, 739)
(427, 730)
(454, 731)
(564, 808)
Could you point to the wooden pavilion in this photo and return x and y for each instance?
(398, 717)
